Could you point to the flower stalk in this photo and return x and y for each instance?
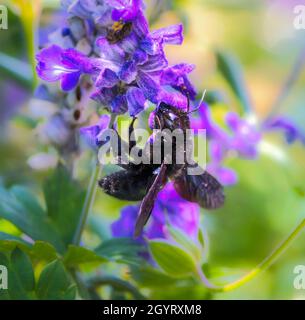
(265, 264)
(90, 196)
(291, 80)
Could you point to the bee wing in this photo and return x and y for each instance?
(203, 189)
(148, 202)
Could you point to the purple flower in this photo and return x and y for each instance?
(79, 8)
(241, 137)
(132, 59)
(216, 167)
(125, 10)
(137, 62)
(118, 100)
(91, 134)
(244, 137)
(154, 42)
(176, 77)
(55, 64)
(124, 227)
(290, 130)
(92, 12)
(126, 84)
(169, 208)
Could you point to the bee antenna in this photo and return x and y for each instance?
(200, 102)
(188, 102)
(159, 122)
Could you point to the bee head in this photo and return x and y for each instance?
(169, 117)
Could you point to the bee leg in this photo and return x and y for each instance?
(148, 202)
(132, 142)
(125, 148)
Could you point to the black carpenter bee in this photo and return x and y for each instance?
(119, 31)
(143, 182)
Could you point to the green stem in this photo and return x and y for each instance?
(292, 78)
(117, 284)
(30, 32)
(266, 263)
(90, 196)
(81, 286)
(89, 200)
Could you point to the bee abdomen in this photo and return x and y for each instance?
(125, 186)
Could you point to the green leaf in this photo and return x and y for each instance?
(22, 266)
(4, 294)
(54, 283)
(201, 238)
(186, 242)
(21, 283)
(172, 259)
(5, 236)
(64, 199)
(214, 97)
(21, 208)
(40, 251)
(149, 277)
(232, 73)
(70, 293)
(27, 200)
(17, 70)
(76, 256)
(43, 251)
(121, 250)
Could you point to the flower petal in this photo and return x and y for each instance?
(155, 63)
(226, 176)
(69, 81)
(290, 130)
(172, 98)
(149, 86)
(135, 100)
(128, 72)
(119, 104)
(176, 76)
(50, 65)
(169, 35)
(124, 227)
(106, 79)
(112, 56)
(90, 134)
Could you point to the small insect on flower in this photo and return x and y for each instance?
(119, 31)
(145, 181)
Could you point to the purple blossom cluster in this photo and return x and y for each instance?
(112, 44)
(241, 138)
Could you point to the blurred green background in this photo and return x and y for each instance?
(269, 199)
